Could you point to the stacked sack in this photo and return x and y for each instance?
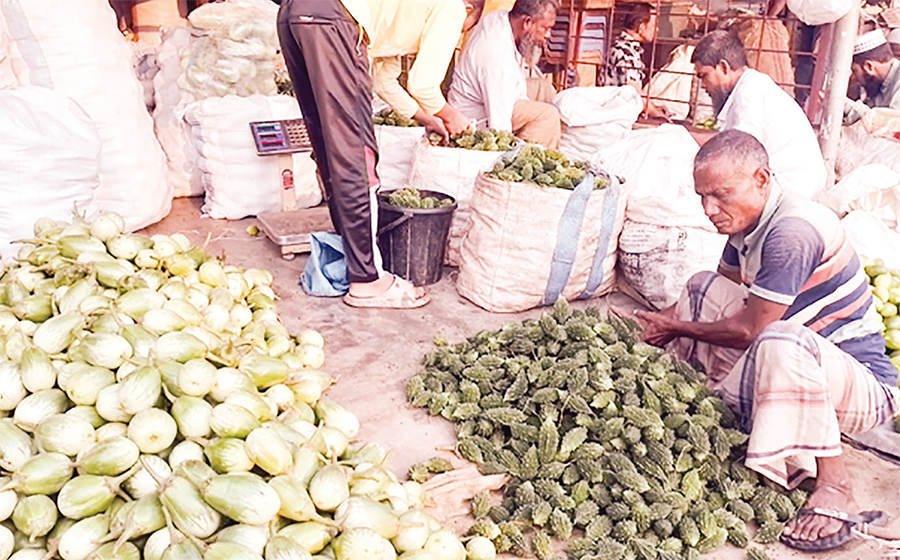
(229, 51)
(238, 183)
(75, 48)
(666, 237)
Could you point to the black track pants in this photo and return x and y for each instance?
(329, 67)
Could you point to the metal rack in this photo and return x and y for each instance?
(707, 16)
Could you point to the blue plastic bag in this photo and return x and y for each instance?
(325, 273)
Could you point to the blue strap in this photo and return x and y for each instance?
(567, 240)
(607, 223)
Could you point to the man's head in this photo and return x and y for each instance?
(640, 22)
(474, 9)
(731, 175)
(719, 61)
(531, 22)
(872, 58)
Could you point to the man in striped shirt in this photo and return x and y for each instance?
(786, 331)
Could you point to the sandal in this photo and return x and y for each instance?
(840, 538)
(400, 295)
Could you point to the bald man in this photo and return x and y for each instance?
(787, 333)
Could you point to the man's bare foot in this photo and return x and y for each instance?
(815, 527)
(377, 287)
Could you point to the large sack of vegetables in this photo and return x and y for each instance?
(541, 228)
(7, 74)
(228, 49)
(49, 152)
(666, 237)
(397, 137)
(237, 182)
(156, 407)
(594, 118)
(75, 47)
(170, 98)
(452, 170)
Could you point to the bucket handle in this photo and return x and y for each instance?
(395, 224)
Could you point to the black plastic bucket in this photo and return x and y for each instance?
(413, 240)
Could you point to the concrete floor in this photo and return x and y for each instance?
(372, 353)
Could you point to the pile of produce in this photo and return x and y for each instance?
(545, 168)
(389, 117)
(484, 140)
(886, 296)
(156, 407)
(613, 446)
(411, 197)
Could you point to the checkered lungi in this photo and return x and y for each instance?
(794, 390)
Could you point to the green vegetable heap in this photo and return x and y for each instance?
(389, 117)
(886, 296)
(411, 197)
(545, 168)
(613, 446)
(484, 140)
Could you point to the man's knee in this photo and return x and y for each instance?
(700, 279)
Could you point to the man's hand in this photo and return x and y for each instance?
(454, 120)
(432, 124)
(658, 327)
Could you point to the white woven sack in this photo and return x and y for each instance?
(451, 171)
(239, 183)
(872, 238)
(396, 147)
(49, 151)
(657, 166)
(75, 47)
(657, 261)
(171, 98)
(528, 245)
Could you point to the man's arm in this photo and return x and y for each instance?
(737, 331)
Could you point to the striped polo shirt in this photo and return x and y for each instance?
(798, 256)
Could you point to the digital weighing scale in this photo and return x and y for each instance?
(290, 228)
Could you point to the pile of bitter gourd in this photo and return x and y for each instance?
(613, 446)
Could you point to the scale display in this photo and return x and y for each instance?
(280, 137)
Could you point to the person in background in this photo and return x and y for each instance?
(747, 100)
(893, 39)
(787, 333)
(625, 62)
(326, 46)
(877, 72)
(490, 83)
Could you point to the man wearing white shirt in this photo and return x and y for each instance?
(490, 83)
(747, 100)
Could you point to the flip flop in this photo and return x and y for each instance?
(840, 538)
(400, 295)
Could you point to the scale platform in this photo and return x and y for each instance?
(290, 229)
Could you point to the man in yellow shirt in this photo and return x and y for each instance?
(327, 46)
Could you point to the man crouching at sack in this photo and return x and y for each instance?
(787, 333)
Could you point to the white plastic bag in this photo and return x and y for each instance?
(49, 151)
(7, 74)
(819, 12)
(237, 182)
(76, 48)
(451, 171)
(595, 117)
(396, 148)
(858, 147)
